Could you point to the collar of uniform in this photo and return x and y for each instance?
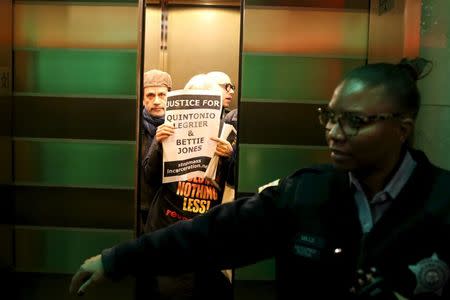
(395, 185)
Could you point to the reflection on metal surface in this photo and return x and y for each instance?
(307, 32)
(264, 270)
(6, 253)
(301, 119)
(196, 2)
(293, 78)
(385, 6)
(60, 250)
(75, 71)
(433, 125)
(260, 164)
(346, 4)
(79, 117)
(74, 163)
(43, 206)
(6, 173)
(6, 165)
(5, 81)
(34, 286)
(395, 33)
(199, 39)
(52, 25)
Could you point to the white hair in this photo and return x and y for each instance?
(202, 82)
(219, 77)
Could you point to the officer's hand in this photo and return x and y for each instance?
(90, 274)
(371, 285)
(164, 131)
(223, 147)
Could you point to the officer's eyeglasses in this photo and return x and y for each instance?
(228, 87)
(350, 122)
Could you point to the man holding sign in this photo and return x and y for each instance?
(176, 164)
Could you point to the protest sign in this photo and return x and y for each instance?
(195, 115)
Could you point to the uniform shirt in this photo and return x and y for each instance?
(369, 212)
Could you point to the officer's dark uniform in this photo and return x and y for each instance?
(309, 221)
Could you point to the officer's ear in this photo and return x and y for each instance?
(406, 129)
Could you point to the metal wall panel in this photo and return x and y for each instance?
(316, 32)
(5, 92)
(263, 270)
(6, 190)
(75, 72)
(55, 286)
(63, 206)
(433, 133)
(74, 163)
(292, 78)
(217, 50)
(435, 45)
(6, 160)
(81, 2)
(394, 30)
(433, 86)
(75, 117)
(300, 123)
(433, 125)
(61, 250)
(254, 289)
(260, 164)
(349, 4)
(153, 54)
(85, 25)
(7, 241)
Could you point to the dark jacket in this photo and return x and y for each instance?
(302, 222)
(147, 133)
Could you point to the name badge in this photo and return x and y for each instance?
(309, 246)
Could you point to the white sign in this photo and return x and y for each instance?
(195, 115)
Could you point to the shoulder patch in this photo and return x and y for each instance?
(273, 183)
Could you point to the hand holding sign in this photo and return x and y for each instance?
(223, 147)
(164, 131)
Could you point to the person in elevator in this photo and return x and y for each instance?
(375, 224)
(156, 84)
(228, 89)
(229, 117)
(170, 205)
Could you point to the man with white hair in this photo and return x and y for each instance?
(228, 90)
(229, 117)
